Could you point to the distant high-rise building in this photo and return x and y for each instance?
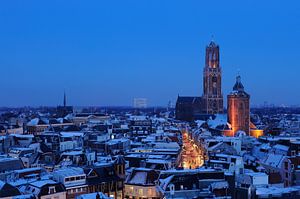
(140, 102)
(212, 80)
(238, 108)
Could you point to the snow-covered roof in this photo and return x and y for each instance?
(72, 134)
(158, 161)
(71, 153)
(33, 122)
(69, 171)
(200, 122)
(1, 184)
(219, 185)
(140, 177)
(281, 147)
(165, 182)
(22, 135)
(41, 183)
(267, 191)
(273, 160)
(221, 119)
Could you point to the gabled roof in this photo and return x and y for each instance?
(100, 174)
(142, 176)
(273, 160)
(7, 190)
(186, 99)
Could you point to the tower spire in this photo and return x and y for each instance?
(238, 86)
(65, 99)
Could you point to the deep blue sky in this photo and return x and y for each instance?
(108, 52)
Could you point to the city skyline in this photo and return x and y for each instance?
(106, 54)
(149, 99)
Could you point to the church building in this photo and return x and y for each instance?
(238, 108)
(238, 112)
(191, 108)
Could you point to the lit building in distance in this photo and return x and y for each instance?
(140, 103)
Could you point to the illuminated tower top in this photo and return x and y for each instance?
(212, 59)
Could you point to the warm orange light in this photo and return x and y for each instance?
(256, 133)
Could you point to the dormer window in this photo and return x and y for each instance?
(52, 190)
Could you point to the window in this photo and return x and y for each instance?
(52, 190)
(140, 191)
(149, 192)
(286, 165)
(131, 190)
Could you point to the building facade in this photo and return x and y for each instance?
(238, 108)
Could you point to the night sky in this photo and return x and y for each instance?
(108, 52)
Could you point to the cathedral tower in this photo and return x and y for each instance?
(238, 108)
(212, 81)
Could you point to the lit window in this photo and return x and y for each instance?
(140, 191)
(131, 190)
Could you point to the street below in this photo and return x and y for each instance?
(192, 157)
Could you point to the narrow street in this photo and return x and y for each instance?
(191, 154)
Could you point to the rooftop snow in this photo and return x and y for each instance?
(140, 177)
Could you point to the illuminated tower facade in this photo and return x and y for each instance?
(212, 81)
(238, 108)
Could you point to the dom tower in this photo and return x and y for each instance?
(212, 81)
